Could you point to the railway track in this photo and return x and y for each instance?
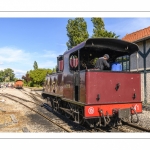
(65, 123)
(130, 127)
(126, 127)
(32, 95)
(68, 125)
(134, 127)
(55, 118)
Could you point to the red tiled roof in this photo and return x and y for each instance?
(138, 35)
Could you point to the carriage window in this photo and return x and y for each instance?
(124, 60)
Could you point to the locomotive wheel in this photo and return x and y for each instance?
(66, 114)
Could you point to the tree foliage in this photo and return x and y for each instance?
(38, 76)
(35, 65)
(76, 32)
(99, 29)
(7, 75)
(2, 76)
(26, 78)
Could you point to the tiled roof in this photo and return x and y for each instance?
(138, 35)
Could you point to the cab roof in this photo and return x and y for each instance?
(109, 43)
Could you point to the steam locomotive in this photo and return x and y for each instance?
(97, 97)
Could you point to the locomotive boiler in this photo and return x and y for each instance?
(97, 97)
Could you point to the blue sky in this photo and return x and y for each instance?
(25, 40)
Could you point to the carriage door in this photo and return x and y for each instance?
(74, 69)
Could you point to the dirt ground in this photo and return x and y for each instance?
(15, 117)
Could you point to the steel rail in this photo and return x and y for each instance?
(30, 95)
(6, 94)
(136, 126)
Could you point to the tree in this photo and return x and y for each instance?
(26, 78)
(38, 76)
(76, 32)
(9, 74)
(2, 76)
(99, 29)
(35, 66)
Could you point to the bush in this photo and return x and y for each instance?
(30, 84)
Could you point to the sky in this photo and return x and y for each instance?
(25, 40)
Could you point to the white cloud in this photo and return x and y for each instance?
(16, 59)
(21, 61)
(8, 54)
(19, 73)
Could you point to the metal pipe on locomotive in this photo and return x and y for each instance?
(97, 97)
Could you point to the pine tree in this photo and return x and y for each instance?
(35, 66)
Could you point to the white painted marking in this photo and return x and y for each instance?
(136, 107)
(91, 110)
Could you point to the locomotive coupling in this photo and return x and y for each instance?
(106, 120)
(132, 120)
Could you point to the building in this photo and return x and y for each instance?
(141, 61)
